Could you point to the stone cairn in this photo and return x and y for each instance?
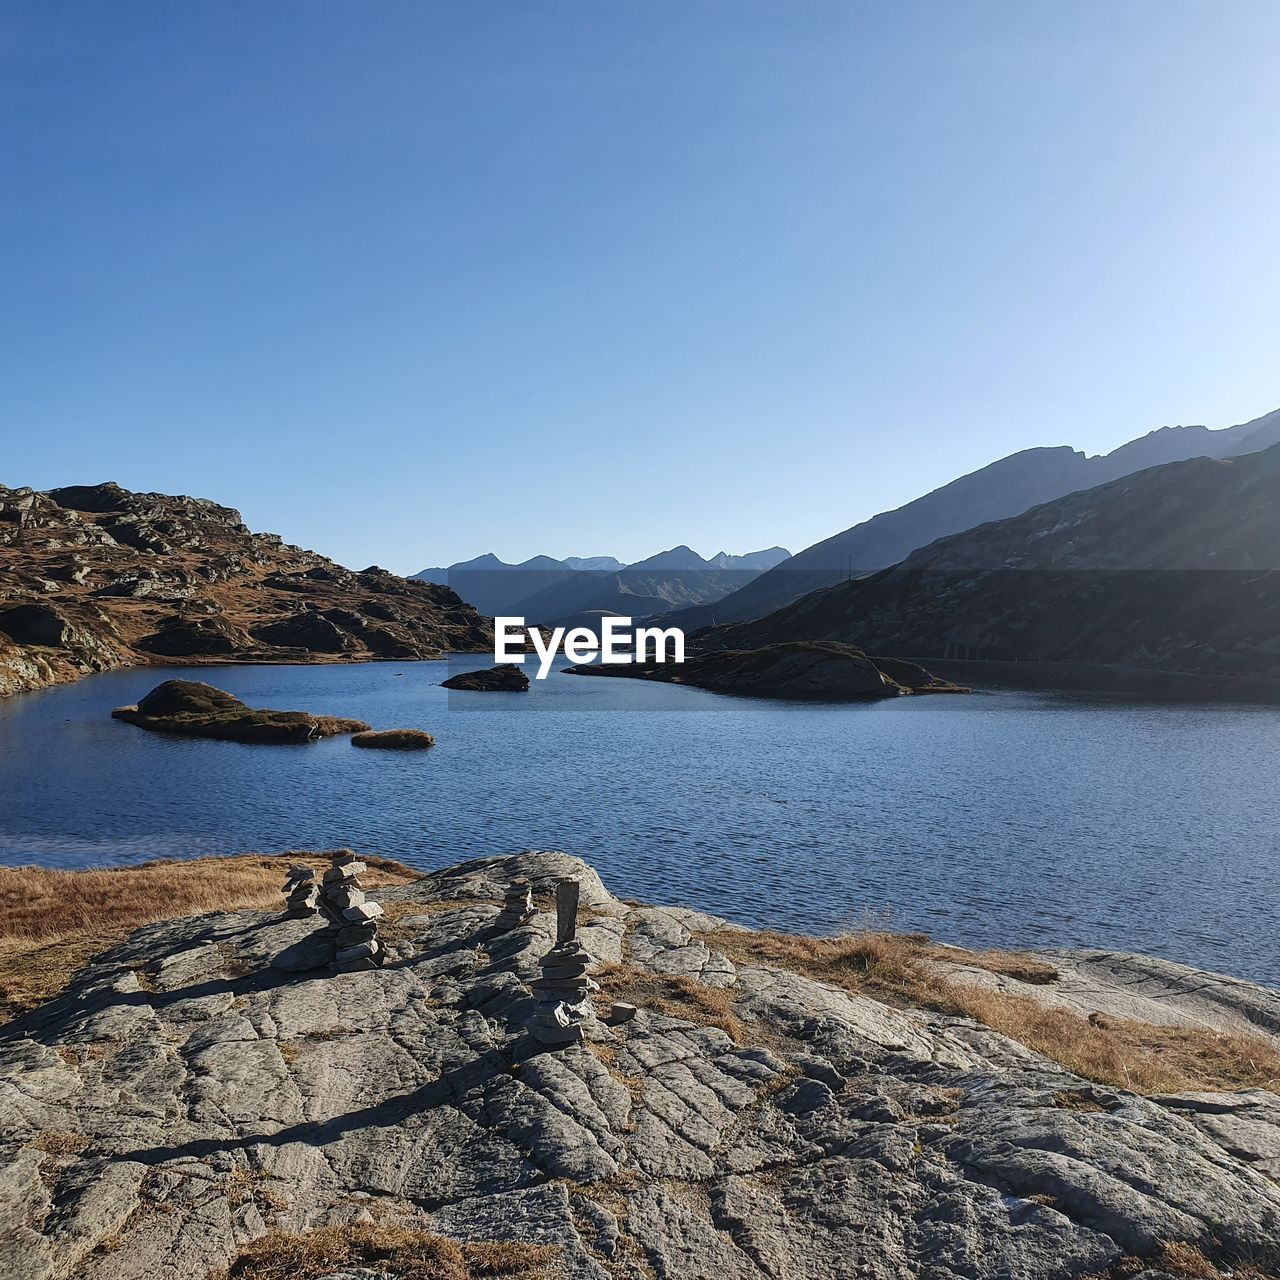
(563, 992)
(301, 893)
(343, 904)
(517, 908)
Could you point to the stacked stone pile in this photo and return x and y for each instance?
(344, 905)
(517, 907)
(301, 893)
(564, 990)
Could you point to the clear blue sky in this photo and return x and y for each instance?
(410, 281)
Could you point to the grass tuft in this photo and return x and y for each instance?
(57, 1142)
(674, 995)
(400, 1251)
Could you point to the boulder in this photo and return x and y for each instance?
(96, 498)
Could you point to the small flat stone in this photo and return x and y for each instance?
(347, 895)
(361, 951)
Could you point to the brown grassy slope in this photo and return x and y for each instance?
(51, 922)
(903, 970)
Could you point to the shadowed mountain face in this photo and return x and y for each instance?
(1176, 568)
(94, 577)
(495, 587)
(551, 591)
(1005, 488)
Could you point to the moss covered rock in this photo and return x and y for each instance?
(198, 710)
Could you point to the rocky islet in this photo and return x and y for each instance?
(191, 708)
(504, 678)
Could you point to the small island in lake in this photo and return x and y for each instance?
(394, 739)
(504, 678)
(198, 710)
(795, 669)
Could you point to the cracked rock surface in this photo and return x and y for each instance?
(202, 1084)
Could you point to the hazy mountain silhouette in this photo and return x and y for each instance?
(1004, 488)
(1175, 568)
(543, 589)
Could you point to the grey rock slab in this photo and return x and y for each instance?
(660, 939)
(1244, 1124)
(210, 1079)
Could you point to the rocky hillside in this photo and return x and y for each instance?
(1003, 489)
(95, 577)
(207, 1098)
(1174, 569)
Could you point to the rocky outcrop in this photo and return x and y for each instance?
(211, 637)
(196, 710)
(793, 670)
(94, 577)
(210, 1081)
(505, 678)
(310, 632)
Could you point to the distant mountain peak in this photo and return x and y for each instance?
(595, 564)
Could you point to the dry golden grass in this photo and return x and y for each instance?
(57, 1142)
(245, 1186)
(1187, 1262)
(52, 922)
(902, 969)
(673, 995)
(405, 1253)
(1132, 1055)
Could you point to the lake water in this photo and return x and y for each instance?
(998, 819)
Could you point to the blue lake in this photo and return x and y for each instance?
(998, 819)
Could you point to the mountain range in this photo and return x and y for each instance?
(1005, 488)
(551, 591)
(1173, 568)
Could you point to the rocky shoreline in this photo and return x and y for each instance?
(207, 1097)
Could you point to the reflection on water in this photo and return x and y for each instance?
(1000, 819)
